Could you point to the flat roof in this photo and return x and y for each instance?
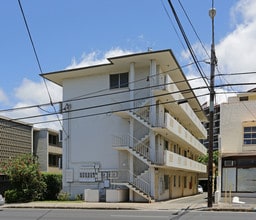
(164, 58)
(15, 121)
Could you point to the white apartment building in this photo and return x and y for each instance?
(237, 167)
(131, 129)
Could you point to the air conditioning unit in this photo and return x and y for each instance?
(229, 163)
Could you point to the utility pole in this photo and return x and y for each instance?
(212, 13)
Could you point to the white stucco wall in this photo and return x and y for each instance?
(90, 137)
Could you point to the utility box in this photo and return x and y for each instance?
(91, 195)
(116, 195)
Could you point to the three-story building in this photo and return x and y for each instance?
(131, 129)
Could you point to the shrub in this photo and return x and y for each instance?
(63, 196)
(79, 197)
(11, 196)
(26, 180)
(53, 185)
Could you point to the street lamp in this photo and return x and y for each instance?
(212, 13)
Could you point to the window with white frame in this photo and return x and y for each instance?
(120, 80)
(250, 135)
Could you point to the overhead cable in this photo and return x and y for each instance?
(199, 68)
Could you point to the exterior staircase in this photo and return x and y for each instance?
(140, 149)
(138, 184)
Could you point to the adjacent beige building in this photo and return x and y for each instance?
(48, 147)
(237, 167)
(16, 138)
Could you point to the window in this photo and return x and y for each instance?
(166, 144)
(179, 151)
(185, 182)
(250, 135)
(54, 160)
(166, 182)
(175, 148)
(53, 139)
(119, 80)
(174, 181)
(243, 98)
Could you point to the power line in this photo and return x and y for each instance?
(115, 111)
(199, 68)
(30, 37)
(119, 92)
(175, 30)
(115, 103)
(139, 80)
(235, 84)
(102, 113)
(130, 100)
(193, 28)
(235, 74)
(38, 63)
(85, 96)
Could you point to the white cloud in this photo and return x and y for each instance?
(3, 97)
(31, 93)
(96, 58)
(243, 12)
(237, 51)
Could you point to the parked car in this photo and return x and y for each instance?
(1, 200)
(200, 189)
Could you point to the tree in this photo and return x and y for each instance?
(26, 181)
(204, 159)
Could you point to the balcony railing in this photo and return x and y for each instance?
(141, 182)
(180, 133)
(177, 161)
(139, 147)
(171, 89)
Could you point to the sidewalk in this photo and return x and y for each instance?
(248, 204)
(196, 202)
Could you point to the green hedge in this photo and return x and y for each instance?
(53, 185)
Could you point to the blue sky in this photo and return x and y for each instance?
(81, 32)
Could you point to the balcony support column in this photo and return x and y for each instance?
(152, 181)
(131, 83)
(153, 82)
(131, 161)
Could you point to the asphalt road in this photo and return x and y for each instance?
(79, 214)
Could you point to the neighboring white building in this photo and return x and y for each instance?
(131, 129)
(238, 143)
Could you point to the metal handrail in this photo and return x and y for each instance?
(126, 176)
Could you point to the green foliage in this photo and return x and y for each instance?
(79, 197)
(26, 180)
(12, 196)
(53, 185)
(204, 159)
(63, 196)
